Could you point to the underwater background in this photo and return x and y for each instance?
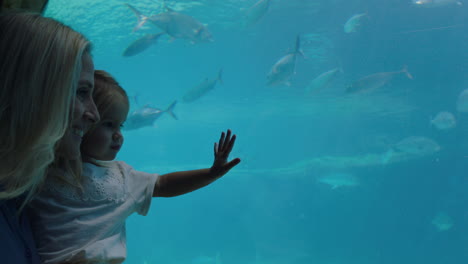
(329, 174)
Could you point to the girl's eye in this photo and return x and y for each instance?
(108, 124)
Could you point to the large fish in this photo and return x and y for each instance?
(254, 13)
(175, 24)
(141, 44)
(374, 81)
(411, 147)
(337, 180)
(436, 3)
(146, 116)
(353, 23)
(201, 89)
(284, 68)
(323, 80)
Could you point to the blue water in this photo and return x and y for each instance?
(272, 208)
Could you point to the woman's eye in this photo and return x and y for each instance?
(82, 92)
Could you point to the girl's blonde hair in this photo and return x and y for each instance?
(40, 64)
(107, 91)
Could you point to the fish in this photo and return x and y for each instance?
(374, 81)
(285, 67)
(462, 102)
(353, 23)
(175, 24)
(146, 116)
(323, 80)
(444, 120)
(254, 13)
(201, 89)
(417, 145)
(442, 221)
(436, 3)
(141, 44)
(337, 180)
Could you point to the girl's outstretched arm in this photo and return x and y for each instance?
(181, 182)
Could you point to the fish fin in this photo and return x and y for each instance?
(405, 71)
(170, 109)
(156, 36)
(386, 157)
(140, 17)
(220, 75)
(135, 99)
(165, 7)
(218, 258)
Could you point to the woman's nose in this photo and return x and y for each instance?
(92, 113)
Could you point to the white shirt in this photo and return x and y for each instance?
(89, 227)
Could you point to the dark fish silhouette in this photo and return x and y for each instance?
(141, 44)
(146, 116)
(201, 89)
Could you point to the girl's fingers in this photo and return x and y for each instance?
(221, 142)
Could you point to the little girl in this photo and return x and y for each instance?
(82, 219)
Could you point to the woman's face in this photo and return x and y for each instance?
(83, 113)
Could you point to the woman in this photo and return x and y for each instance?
(30, 5)
(46, 84)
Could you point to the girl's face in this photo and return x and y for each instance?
(83, 113)
(106, 139)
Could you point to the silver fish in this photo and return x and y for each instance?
(442, 221)
(175, 24)
(201, 89)
(374, 81)
(337, 180)
(323, 80)
(416, 145)
(444, 120)
(462, 102)
(284, 68)
(146, 116)
(436, 3)
(141, 44)
(353, 23)
(254, 13)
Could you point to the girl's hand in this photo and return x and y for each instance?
(222, 149)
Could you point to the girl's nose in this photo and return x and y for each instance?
(117, 136)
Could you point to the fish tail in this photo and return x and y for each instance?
(297, 48)
(141, 19)
(405, 71)
(156, 36)
(170, 109)
(220, 76)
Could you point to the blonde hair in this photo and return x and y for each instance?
(40, 64)
(107, 91)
